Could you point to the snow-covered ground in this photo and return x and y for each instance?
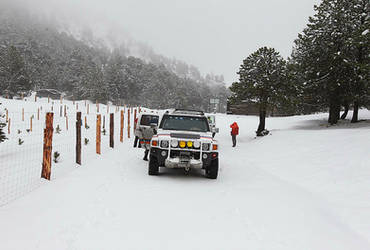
(305, 186)
(20, 165)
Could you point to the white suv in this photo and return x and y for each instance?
(184, 140)
(144, 128)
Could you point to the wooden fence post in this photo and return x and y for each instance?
(22, 96)
(48, 99)
(38, 114)
(31, 123)
(135, 118)
(66, 122)
(103, 121)
(65, 110)
(61, 99)
(107, 109)
(78, 138)
(35, 98)
(97, 106)
(121, 128)
(85, 122)
(76, 105)
(48, 144)
(128, 123)
(111, 131)
(7, 115)
(22, 114)
(9, 126)
(98, 134)
(88, 108)
(61, 111)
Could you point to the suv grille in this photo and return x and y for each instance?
(192, 154)
(185, 136)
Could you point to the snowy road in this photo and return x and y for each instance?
(304, 187)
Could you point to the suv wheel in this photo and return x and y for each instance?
(153, 166)
(212, 170)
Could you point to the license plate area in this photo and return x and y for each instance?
(184, 157)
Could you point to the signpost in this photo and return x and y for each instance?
(215, 103)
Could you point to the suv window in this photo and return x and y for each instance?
(146, 120)
(185, 123)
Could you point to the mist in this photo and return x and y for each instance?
(213, 35)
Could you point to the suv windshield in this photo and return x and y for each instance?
(185, 123)
(146, 120)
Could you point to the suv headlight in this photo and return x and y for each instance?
(174, 143)
(206, 146)
(164, 144)
(196, 144)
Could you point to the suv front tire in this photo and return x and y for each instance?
(153, 168)
(212, 170)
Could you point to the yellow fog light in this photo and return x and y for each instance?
(182, 144)
(190, 144)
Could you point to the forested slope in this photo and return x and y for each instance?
(35, 54)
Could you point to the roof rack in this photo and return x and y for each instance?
(189, 111)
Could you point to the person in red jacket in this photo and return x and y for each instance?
(234, 132)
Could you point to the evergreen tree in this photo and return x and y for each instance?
(13, 75)
(358, 20)
(113, 75)
(262, 80)
(330, 55)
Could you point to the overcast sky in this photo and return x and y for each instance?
(214, 35)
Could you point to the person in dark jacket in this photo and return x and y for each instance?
(147, 136)
(234, 132)
(136, 137)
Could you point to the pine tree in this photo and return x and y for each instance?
(14, 75)
(330, 55)
(358, 20)
(262, 80)
(113, 75)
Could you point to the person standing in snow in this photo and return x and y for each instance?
(136, 137)
(234, 132)
(147, 136)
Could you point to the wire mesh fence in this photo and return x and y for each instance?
(22, 154)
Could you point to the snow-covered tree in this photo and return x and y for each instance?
(263, 81)
(332, 55)
(14, 78)
(358, 20)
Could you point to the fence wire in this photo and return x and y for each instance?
(21, 155)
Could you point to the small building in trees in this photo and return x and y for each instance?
(252, 108)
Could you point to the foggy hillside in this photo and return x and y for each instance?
(48, 52)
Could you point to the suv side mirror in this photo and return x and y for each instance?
(215, 130)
